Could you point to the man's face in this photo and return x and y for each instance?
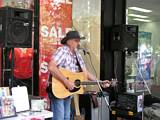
(74, 43)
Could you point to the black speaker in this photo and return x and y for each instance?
(130, 102)
(15, 27)
(124, 37)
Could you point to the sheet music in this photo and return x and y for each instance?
(20, 97)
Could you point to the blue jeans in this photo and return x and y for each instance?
(61, 108)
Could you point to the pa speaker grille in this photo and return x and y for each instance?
(124, 37)
(16, 30)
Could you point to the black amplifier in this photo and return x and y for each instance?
(130, 102)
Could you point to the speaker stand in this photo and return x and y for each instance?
(12, 68)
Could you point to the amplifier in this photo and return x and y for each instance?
(130, 102)
(102, 111)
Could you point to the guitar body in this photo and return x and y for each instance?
(60, 91)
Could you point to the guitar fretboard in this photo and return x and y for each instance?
(91, 82)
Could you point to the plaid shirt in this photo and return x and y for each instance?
(66, 59)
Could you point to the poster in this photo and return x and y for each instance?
(144, 61)
(55, 21)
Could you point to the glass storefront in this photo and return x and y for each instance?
(144, 65)
(86, 17)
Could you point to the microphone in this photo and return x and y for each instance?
(83, 37)
(85, 51)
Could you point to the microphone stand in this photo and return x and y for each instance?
(86, 52)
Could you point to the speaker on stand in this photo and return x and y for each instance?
(15, 27)
(124, 37)
(15, 30)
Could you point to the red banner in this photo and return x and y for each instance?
(55, 21)
(1, 3)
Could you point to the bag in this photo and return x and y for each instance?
(94, 100)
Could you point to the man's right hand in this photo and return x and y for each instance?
(69, 84)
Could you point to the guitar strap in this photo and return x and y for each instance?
(49, 87)
(50, 78)
(78, 64)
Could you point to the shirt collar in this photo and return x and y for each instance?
(68, 49)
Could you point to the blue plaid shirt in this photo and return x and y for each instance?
(66, 59)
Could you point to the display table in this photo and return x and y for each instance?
(28, 114)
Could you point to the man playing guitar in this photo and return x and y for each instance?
(69, 58)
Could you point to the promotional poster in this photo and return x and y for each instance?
(55, 21)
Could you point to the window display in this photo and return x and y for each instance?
(138, 67)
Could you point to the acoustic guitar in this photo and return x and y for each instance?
(79, 79)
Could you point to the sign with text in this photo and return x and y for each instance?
(55, 21)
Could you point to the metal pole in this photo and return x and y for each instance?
(12, 69)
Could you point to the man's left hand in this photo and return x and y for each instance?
(106, 83)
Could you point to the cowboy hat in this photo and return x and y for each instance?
(71, 35)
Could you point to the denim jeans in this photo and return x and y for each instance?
(61, 108)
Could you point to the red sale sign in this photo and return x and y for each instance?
(55, 21)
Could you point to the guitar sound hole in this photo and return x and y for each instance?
(77, 83)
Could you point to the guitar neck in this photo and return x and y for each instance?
(91, 82)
